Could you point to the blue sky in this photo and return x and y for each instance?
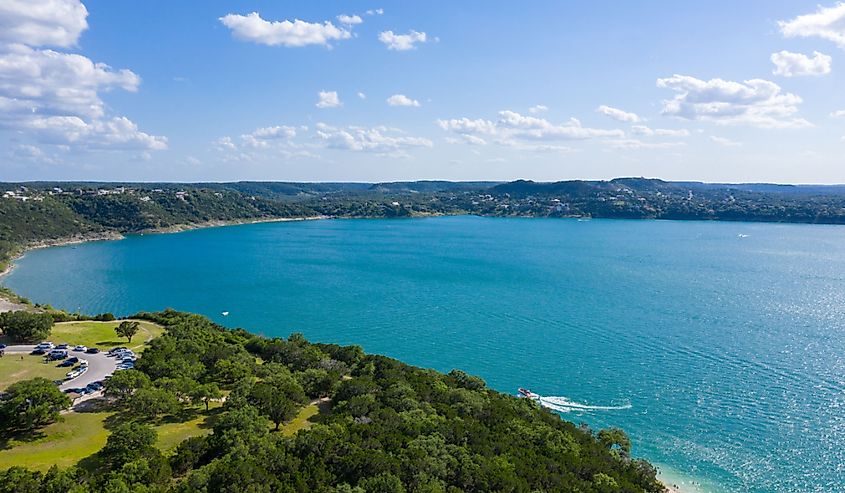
(194, 91)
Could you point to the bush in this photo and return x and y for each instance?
(24, 326)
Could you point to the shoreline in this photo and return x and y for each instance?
(116, 235)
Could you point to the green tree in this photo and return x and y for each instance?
(24, 326)
(124, 383)
(30, 404)
(127, 329)
(152, 402)
(129, 442)
(278, 398)
(316, 382)
(205, 393)
(615, 439)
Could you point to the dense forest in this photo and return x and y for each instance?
(387, 426)
(36, 212)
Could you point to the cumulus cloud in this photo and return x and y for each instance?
(790, 64)
(826, 23)
(298, 33)
(659, 132)
(512, 129)
(361, 95)
(754, 102)
(838, 114)
(538, 108)
(723, 141)
(328, 99)
(402, 42)
(617, 114)
(375, 12)
(42, 22)
(381, 140)
(402, 100)
(261, 138)
(55, 97)
(349, 20)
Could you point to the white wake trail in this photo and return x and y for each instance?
(564, 405)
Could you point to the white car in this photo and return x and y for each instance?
(80, 348)
(45, 345)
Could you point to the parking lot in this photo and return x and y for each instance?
(99, 365)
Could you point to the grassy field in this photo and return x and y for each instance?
(307, 416)
(101, 334)
(64, 443)
(14, 369)
(80, 435)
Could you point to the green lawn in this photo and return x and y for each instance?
(80, 435)
(307, 416)
(14, 369)
(101, 334)
(63, 444)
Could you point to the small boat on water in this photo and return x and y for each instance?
(225, 314)
(528, 394)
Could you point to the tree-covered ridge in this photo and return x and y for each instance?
(391, 427)
(38, 212)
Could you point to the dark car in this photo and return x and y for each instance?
(38, 352)
(92, 350)
(94, 386)
(62, 346)
(69, 362)
(2, 346)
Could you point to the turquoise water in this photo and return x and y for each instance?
(721, 344)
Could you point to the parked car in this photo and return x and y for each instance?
(2, 346)
(92, 350)
(75, 391)
(80, 348)
(62, 346)
(69, 362)
(116, 350)
(94, 386)
(45, 345)
(38, 352)
(57, 354)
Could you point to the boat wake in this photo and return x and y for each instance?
(564, 405)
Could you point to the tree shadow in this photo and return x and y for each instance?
(24, 436)
(112, 343)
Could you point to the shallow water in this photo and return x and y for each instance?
(719, 347)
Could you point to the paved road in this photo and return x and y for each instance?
(99, 365)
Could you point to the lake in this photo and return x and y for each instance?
(719, 347)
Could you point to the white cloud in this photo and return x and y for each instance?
(42, 22)
(349, 20)
(49, 82)
(539, 108)
(826, 23)
(838, 114)
(636, 144)
(722, 141)
(286, 33)
(116, 133)
(617, 114)
(402, 42)
(755, 102)
(515, 130)
(381, 140)
(659, 132)
(361, 95)
(328, 99)
(224, 144)
(375, 12)
(790, 64)
(402, 100)
(54, 97)
(261, 138)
